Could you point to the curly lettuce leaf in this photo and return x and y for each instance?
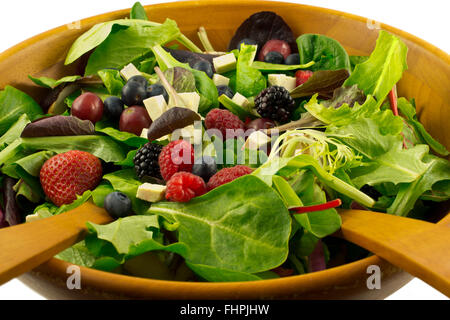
(437, 170)
(408, 110)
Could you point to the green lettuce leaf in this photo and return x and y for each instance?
(327, 53)
(138, 12)
(52, 83)
(127, 138)
(102, 147)
(14, 104)
(112, 80)
(249, 80)
(14, 131)
(384, 68)
(409, 112)
(437, 170)
(247, 232)
(127, 45)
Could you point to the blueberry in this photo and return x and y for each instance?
(133, 94)
(274, 57)
(113, 108)
(205, 66)
(247, 41)
(156, 90)
(139, 79)
(293, 59)
(226, 90)
(205, 167)
(117, 204)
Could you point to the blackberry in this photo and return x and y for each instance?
(146, 161)
(275, 103)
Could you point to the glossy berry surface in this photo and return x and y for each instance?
(205, 167)
(117, 204)
(227, 175)
(133, 93)
(134, 119)
(275, 45)
(205, 66)
(247, 41)
(69, 174)
(226, 90)
(175, 157)
(183, 186)
(274, 57)
(157, 90)
(139, 79)
(292, 59)
(146, 161)
(228, 124)
(113, 108)
(88, 106)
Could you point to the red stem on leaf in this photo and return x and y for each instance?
(393, 100)
(318, 207)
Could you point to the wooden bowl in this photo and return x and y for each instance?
(427, 80)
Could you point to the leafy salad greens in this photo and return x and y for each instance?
(283, 130)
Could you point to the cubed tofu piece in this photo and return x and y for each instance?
(129, 71)
(191, 101)
(224, 63)
(256, 140)
(144, 133)
(32, 217)
(151, 192)
(155, 106)
(220, 80)
(240, 100)
(282, 80)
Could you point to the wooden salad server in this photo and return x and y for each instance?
(418, 247)
(25, 246)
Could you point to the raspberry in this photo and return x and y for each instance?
(222, 120)
(227, 175)
(302, 76)
(69, 174)
(183, 186)
(175, 157)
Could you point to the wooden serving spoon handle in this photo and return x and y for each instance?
(24, 247)
(418, 247)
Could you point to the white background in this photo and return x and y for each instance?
(22, 19)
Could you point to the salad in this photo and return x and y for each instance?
(217, 166)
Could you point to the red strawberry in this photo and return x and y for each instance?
(69, 174)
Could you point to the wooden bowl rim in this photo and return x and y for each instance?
(57, 266)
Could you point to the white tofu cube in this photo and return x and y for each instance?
(239, 99)
(155, 106)
(151, 192)
(129, 71)
(224, 63)
(220, 80)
